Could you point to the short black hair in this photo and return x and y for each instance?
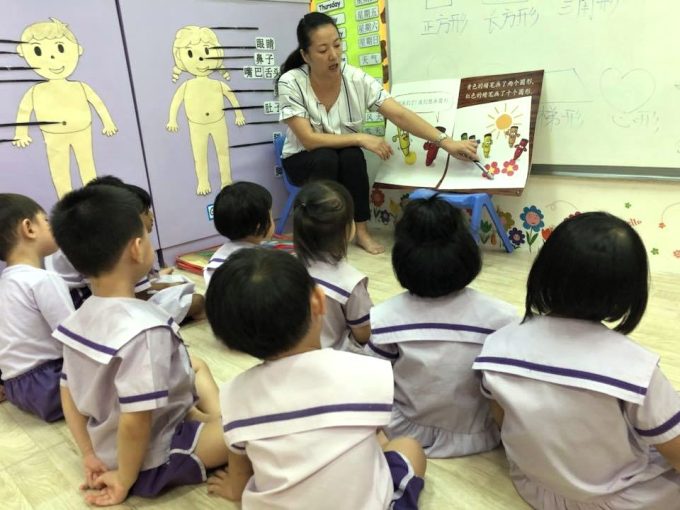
(592, 267)
(14, 209)
(322, 220)
(258, 302)
(242, 209)
(434, 253)
(94, 224)
(112, 180)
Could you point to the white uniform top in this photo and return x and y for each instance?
(358, 92)
(582, 406)
(349, 304)
(221, 255)
(34, 301)
(58, 263)
(432, 343)
(308, 425)
(123, 355)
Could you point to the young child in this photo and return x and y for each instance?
(301, 426)
(173, 293)
(433, 332)
(323, 226)
(243, 214)
(128, 385)
(588, 418)
(32, 304)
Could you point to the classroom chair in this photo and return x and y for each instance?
(475, 202)
(290, 187)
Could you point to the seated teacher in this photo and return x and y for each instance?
(323, 102)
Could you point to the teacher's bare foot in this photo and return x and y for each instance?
(364, 239)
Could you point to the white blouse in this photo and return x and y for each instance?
(358, 92)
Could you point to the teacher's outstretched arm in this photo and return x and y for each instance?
(412, 123)
(311, 140)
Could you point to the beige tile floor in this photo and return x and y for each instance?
(39, 466)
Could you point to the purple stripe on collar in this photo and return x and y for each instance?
(311, 411)
(170, 321)
(141, 282)
(242, 448)
(359, 320)
(661, 429)
(143, 397)
(566, 372)
(86, 342)
(332, 287)
(432, 325)
(382, 353)
(216, 260)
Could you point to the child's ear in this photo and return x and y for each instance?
(136, 250)
(317, 301)
(26, 229)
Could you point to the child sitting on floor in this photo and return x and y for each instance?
(588, 418)
(323, 226)
(243, 214)
(306, 418)
(128, 386)
(433, 332)
(33, 302)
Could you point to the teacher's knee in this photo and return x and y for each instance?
(326, 164)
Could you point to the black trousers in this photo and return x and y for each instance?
(346, 166)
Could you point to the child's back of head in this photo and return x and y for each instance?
(323, 222)
(14, 209)
(258, 302)
(434, 253)
(243, 209)
(93, 226)
(592, 267)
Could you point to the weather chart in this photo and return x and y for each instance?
(498, 111)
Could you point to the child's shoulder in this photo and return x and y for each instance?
(28, 275)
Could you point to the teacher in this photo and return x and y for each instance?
(323, 102)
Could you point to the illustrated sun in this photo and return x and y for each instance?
(503, 120)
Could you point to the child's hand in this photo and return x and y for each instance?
(240, 119)
(166, 270)
(112, 492)
(22, 141)
(219, 484)
(94, 468)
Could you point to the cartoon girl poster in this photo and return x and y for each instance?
(195, 52)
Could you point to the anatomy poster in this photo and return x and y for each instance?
(499, 112)
(204, 82)
(66, 109)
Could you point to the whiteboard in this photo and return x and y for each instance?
(611, 93)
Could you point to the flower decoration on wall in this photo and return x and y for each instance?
(506, 219)
(510, 167)
(532, 221)
(516, 237)
(377, 197)
(546, 233)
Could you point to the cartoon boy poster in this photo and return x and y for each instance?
(60, 104)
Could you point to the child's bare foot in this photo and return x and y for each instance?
(219, 484)
(365, 241)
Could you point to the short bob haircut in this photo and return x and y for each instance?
(434, 253)
(592, 267)
(243, 209)
(112, 180)
(94, 224)
(322, 221)
(258, 302)
(14, 209)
